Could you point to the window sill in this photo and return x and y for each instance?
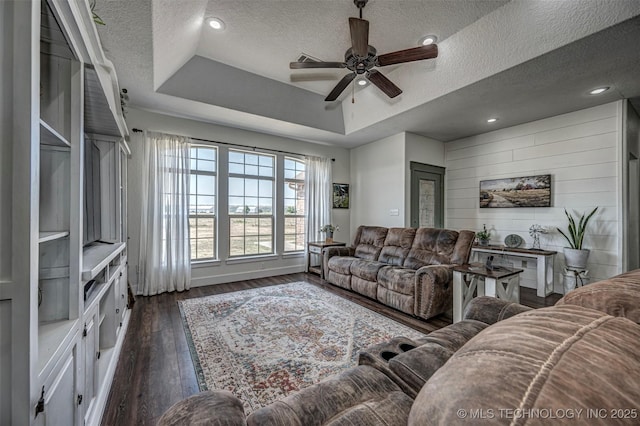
(250, 259)
(293, 254)
(205, 263)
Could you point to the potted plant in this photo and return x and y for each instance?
(329, 230)
(483, 236)
(575, 256)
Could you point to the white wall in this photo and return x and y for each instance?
(377, 183)
(581, 151)
(421, 150)
(631, 191)
(381, 178)
(6, 172)
(225, 271)
(6, 139)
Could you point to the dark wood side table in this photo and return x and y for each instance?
(315, 248)
(468, 280)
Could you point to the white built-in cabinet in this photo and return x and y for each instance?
(58, 344)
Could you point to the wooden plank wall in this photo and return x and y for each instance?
(581, 151)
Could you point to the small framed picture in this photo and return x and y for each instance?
(340, 195)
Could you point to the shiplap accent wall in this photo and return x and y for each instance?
(581, 151)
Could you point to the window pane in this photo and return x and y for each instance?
(206, 185)
(294, 205)
(250, 187)
(202, 202)
(249, 196)
(236, 246)
(251, 170)
(266, 161)
(236, 168)
(207, 166)
(266, 171)
(236, 186)
(236, 227)
(206, 153)
(251, 245)
(236, 157)
(266, 188)
(205, 227)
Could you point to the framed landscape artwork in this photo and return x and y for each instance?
(340, 195)
(526, 191)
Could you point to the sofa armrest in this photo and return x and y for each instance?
(220, 408)
(329, 252)
(434, 290)
(491, 310)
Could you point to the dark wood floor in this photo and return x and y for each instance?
(155, 368)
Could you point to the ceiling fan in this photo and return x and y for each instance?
(361, 58)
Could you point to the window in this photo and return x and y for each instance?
(294, 207)
(251, 193)
(202, 202)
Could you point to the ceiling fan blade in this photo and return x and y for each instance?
(359, 36)
(340, 87)
(383, 83)
(307, 65)
(409, 55)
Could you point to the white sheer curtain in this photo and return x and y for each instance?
(165, 263)
(317, 183)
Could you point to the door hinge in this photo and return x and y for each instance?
(40, 404)
(79, 399)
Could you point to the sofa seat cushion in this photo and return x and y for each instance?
(547, 359)
(360, 396)
(366, 269)
(397, 279)
(341, 264)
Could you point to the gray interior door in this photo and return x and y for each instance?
(427, 196)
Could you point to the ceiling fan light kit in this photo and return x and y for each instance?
(361, 59)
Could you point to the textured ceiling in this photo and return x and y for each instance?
(520, 60)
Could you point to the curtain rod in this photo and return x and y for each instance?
(237, 144)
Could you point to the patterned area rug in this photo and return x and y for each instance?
(262, 344)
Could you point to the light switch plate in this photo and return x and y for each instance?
(394, 212)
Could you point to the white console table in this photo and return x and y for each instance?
(544, 260)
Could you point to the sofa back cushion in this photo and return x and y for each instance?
(618, 296)
(431, 246)
(369, 241)
(397, 245)
(558, 358)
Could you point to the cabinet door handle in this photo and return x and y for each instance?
(117, 310)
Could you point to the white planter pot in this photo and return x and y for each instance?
(573, 279)
(576, 259)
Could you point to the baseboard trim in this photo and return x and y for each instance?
(245, 275)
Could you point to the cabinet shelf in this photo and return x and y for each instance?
(49, 136)
(96, 257)
(95, 296)
(52, 235)
(52, 340)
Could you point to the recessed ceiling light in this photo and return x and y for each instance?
(216, 23)
(599, 90)
(362, 82)
(428, 39)
(492, 120)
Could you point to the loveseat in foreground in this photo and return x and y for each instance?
(571, 364)
(407, 269)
